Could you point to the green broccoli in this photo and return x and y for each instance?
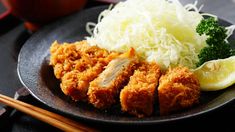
(217, 47)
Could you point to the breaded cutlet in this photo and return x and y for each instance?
(137, 97)
(105, 89)
(77, 56)
(77, 64)
(75, 84)
(65, 56)
(178, 89)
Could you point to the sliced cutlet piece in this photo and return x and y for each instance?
(178, 89)
(65, 56)
(78, 56)
(77, 64)
(104, 90)
(75, 84)
(137, 97)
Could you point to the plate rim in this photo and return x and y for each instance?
(121, 122)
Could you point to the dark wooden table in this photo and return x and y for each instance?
(12, 37)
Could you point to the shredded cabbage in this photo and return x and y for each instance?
(229, 32)
(163, 31)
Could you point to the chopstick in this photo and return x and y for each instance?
(53, 119)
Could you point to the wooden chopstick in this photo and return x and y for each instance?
(53, 119)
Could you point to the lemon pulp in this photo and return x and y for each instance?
(216, 74)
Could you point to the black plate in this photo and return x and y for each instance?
(36, 74)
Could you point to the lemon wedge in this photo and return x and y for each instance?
(216, 74)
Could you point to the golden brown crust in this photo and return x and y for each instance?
(104, 96)
(178, 89)
(77, 56)
(77, 64)
(75, 83)
(137, 97)
(64, 57)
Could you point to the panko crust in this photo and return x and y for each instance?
(76, 64)
(64, 56)
(103, 97)
(137, 98)
(75, 84)
(80, 66)
(77, 56)
(178, 89)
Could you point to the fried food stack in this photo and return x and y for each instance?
(103, 78)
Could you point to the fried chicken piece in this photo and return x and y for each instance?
(104, 90)
(77, 64)
(178, 89)
(137, 98)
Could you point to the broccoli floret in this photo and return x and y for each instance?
(217, 47)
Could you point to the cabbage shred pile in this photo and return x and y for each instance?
(163, 31)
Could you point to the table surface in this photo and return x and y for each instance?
(12, 38)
